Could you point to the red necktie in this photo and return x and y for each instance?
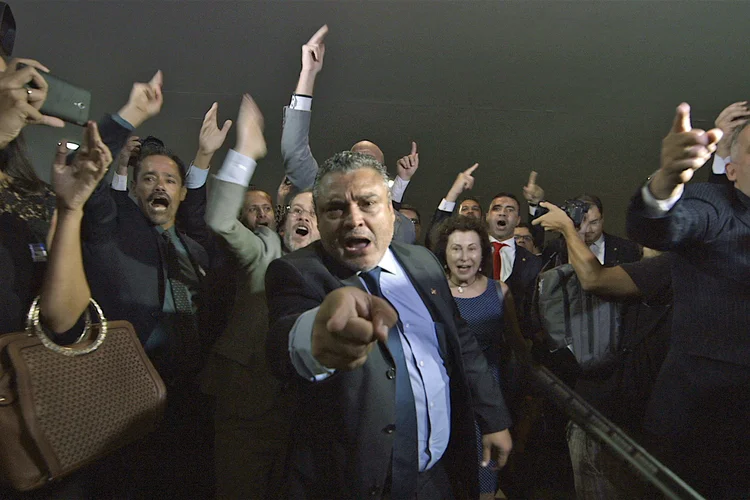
(497, 259)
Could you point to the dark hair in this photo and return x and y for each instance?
(592, 199)
(16, 165)
(344, 162)
(406, 206)
(471, 198)
(155, 147)
(464, 223)
(506, 195)
(524, 224)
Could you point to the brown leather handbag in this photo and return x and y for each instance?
(62, 408)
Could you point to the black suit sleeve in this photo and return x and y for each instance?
(437, 218)
(537, 232)
(100, 211)
(288, 295)
(191, 218)
(694, 218)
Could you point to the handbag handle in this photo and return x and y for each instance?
(34, 326)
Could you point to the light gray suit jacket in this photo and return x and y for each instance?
(244, 340)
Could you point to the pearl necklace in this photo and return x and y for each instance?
(461, 288)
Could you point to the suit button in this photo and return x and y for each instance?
(389, 429)
(155, 314)
(374, 490)
(391, 373)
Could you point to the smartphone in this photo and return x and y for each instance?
(64, 100)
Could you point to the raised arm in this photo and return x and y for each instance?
(230, 185)
(464, 182)
(145, 101)
(657, 218)
(406, 167)
(191, 217)
(534, 194)
(299, 163)
(65, 292)
(594, 277)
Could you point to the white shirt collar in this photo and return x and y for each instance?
(598, 243)
(511, 242)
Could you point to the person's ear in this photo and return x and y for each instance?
(731, 171)
(183, 193)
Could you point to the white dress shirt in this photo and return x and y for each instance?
(427, 373)
(597, 248)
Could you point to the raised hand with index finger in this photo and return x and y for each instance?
(684, 150)
(532, 191)
(314, 51)
(407, 166)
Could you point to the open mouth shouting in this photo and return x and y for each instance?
(159, 202)
(356, 244)
(301, 230)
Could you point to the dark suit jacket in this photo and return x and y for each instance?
(522, 282)
(709, 231)
(123, 253)
(342, 447)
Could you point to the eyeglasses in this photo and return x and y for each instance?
(298, 212)
(523, 237)
(415, 221)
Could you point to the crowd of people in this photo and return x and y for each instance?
(325, 343)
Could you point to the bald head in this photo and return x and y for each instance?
(369, 148)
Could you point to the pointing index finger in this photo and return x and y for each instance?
(471, 169)
(532, 179)
(319, 36)
(682, 119)
(413, 148)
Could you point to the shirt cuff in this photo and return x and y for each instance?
(719, 166)
(398, 189)
(657, 208)
(447, 206)
(300, 348)
(237, 168)
(301, 102)
(196, 177)
(123, 122)
(119, 182)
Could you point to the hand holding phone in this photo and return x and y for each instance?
(19, 104)
(64, 100)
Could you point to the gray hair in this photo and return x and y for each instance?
(344, 162)
(734, 145)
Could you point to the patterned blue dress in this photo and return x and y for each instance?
(484, 314)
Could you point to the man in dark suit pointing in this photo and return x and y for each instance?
(701, 399)
(390, 380)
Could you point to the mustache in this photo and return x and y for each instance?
(159, 195)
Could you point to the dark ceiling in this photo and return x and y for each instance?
(582, 92)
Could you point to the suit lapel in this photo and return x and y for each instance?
(610, 251)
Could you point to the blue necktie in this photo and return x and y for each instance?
(405, 466)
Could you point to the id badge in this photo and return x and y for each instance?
(38, 252)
